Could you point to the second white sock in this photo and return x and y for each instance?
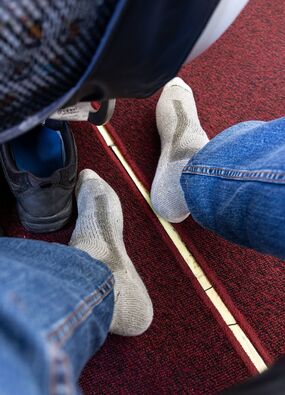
(181, 137)
(99, 232)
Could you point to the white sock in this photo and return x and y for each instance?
(181, 137)
(99, 232)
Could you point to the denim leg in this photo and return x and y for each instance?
(235, 185)
(56, 306)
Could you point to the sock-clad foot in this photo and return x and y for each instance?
(181, 137)
(99, 232)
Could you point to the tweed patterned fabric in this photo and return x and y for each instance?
(45, 47)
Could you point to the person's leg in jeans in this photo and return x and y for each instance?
(56, 306)
(58, 303)
(233, 184)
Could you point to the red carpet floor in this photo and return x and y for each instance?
(240, 78)
(188, 349)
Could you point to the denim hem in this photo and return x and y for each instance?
(269, 176)
(65, 328)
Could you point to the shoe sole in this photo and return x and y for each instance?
(45, 224)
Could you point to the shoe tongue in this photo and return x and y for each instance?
(40, 152)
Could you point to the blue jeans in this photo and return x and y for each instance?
(235, 185)
(56, 306)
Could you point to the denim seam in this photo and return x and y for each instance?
(58, 335)
(66, 327)
(242, 175)
(60, 372)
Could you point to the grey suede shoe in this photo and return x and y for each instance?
(44, 204)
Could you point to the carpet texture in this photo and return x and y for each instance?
(240, 78)
(188, 349)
